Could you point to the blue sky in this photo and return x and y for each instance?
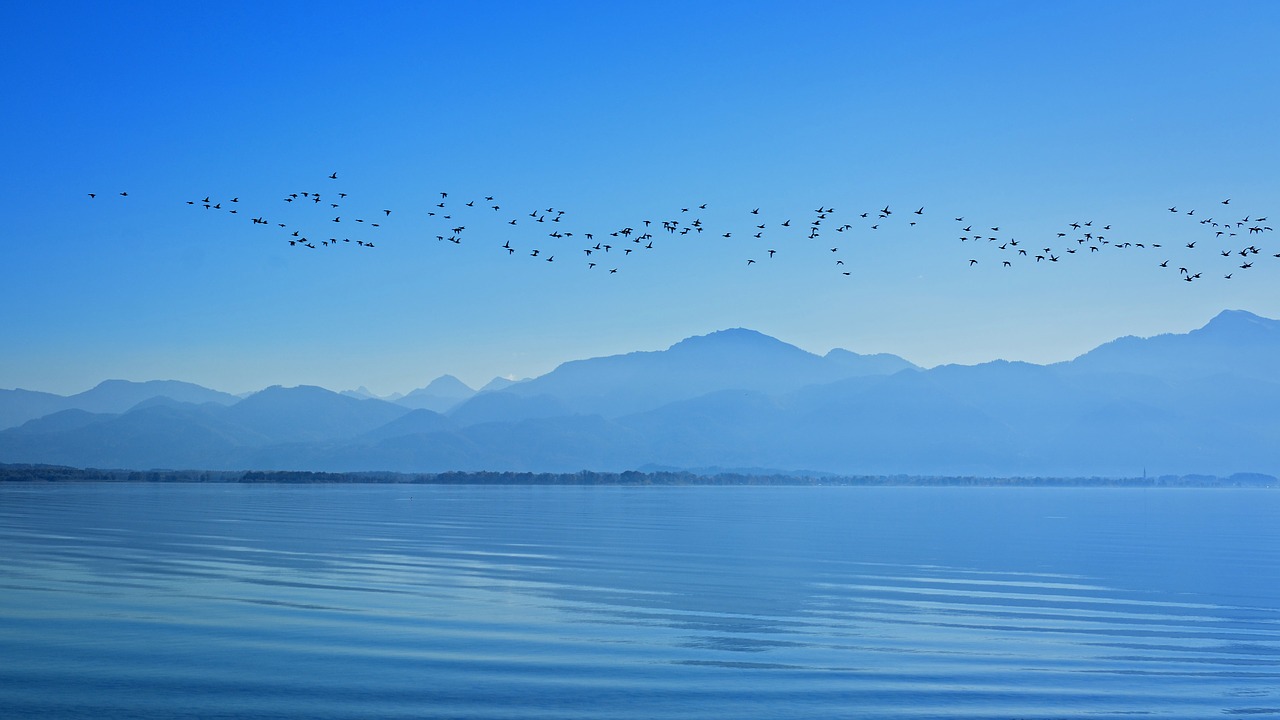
(1022, 116)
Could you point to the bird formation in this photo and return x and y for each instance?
(1226, 233)
(549, 235)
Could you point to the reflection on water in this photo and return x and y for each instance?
(155, 601)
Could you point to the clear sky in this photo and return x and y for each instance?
(1025, 116)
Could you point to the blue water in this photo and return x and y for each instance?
(235, 601)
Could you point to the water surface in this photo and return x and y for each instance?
(320, 601)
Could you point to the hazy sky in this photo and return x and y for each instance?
(1025, 116)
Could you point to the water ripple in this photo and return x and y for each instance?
(344, 601)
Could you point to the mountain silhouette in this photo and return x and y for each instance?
(617, 385)
(1234, 341)
(115, 396)
(439, 395)
(109, 396)
(308, 413)
(18, 406)
(1197, 402)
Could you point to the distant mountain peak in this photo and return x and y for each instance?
(114, 396)
(115, 383)
(731, 337)
(1239, 320)
(281, 389)
(439, 395)
(447, 385)
(1234, 341)
(499, 383)
(873, 364)
(737, 333)
(360, 393)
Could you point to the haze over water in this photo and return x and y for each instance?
(152, 601)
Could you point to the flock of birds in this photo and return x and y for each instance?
(548, 235)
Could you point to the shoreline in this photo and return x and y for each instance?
(36, 473)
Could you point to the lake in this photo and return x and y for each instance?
(375, 601)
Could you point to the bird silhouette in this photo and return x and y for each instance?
(569, 225)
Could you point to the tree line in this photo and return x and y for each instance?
(60, 473)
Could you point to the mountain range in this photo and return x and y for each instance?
(1200, 402)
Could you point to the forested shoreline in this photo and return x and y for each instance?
(59, 473)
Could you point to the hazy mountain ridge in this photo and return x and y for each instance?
(18, 406)
(440, 395)
(1234, 340)
(619, 385)
(310, 414)
(109, 396)
(1199, 402)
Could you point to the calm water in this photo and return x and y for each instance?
(164, 601)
